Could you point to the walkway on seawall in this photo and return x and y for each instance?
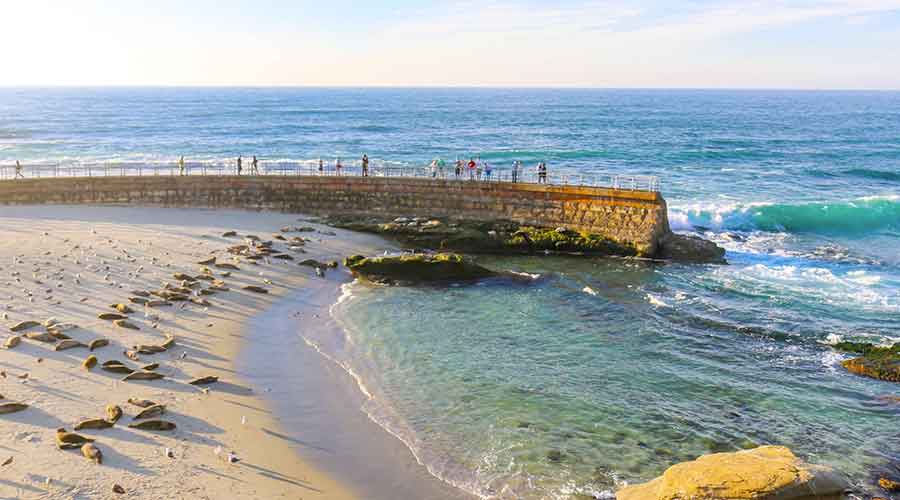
(634, 217)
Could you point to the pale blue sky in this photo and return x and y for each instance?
(590, 43)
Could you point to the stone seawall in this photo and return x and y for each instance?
(636, 218)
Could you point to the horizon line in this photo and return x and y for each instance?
(438, 87)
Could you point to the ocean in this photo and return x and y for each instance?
(601, 371)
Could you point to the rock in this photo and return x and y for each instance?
(24, 325)
(418, 268)
(878, 362)
(767, 472)
(688, 248)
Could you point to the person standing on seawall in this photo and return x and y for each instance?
(254, 166)
(240, 165)
(365, 165)
(459, 166)
(515, 171)
(440, 168)
(19, 170)
(338, 166)
(472, 166)
(321, 166)
(181, 166)
(488, 170)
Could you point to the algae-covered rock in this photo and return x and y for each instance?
(417, 268)
(767, 472)
(880, 362)
(687, 248)
(563, 240)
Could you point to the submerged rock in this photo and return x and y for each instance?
(767, 472)
(417, 268)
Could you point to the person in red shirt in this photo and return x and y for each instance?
(472, 166)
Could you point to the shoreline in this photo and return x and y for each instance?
(315, 395)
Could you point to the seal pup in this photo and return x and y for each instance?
(143, 403)
(91, 452)
(94, 423)
(98, 343)
(90, 362)
(151, 412)
(12, 407)
(121, 323)
(113, 413)
(12, 342)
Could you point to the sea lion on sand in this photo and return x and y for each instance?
(143, 376)
(122, 308)
(143, 403)
(94, 423)
(68, 440)
(116, 368)
(24, 325)
(111, 316)
(151, 412)
(98, 343)
(255, 289)
(90, 362)
(206, 262)
(204, 380)
(113, 413)
(12, 407)
(68, 344)
(12, 342)
(153, 425)
(121, 323)
(138, 300)
(91, 452)
(41, 337)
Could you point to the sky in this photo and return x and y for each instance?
(828, 44)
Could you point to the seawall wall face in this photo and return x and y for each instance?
(638, 218)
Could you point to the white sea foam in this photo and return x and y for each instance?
(656, 301)
(590, 291)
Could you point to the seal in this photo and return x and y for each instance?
(111, 316)
(116, 367)
(113, 413)
(138, 300)
(12, 341)
(140, 293)
(169, 342)
(90, 362)
(227, 265)
(143, 376)
(229, 234)
(91, 452)
(143, 403)
(151, 412)
(255, 289)
(121, 323)
(12, 407)
(153, 425)
(150, 367)
(206, 262)
(68, 344)
(41, 337)
(209, 379)
(122, 308)
(94, 423)
(98, 343)
(24, 325)
(67, 440)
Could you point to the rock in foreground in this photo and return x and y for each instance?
(764, 473)
(687, 248)
(417, 268)
(882, 363)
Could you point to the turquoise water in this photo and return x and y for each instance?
(600, 371)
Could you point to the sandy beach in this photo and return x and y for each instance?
(68, 264)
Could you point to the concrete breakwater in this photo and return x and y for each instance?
(634, 218)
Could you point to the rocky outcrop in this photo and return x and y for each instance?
(880, 362)
(764, 473)
(417, 268)
(687, 248)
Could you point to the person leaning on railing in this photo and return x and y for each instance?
(19, 170)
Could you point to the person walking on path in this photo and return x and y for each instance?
(459, 167)
(19, 170)
(441, 168)
(365, 165)
(433, 168)
(488, 170)
(542, 173)
(515, 171)
(240, 165)
(338, 166)
(181, 166)
(254, 166)
(321, 167)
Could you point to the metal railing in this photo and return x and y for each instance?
(279, 168)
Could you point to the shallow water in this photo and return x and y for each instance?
(601, 371)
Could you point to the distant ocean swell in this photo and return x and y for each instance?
(859, 216)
